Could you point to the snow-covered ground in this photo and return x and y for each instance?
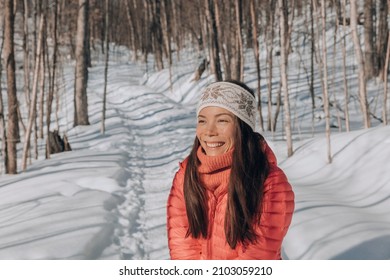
(106, 198)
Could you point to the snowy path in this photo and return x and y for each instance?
(105, 199)
(151, 149)
(153, 152)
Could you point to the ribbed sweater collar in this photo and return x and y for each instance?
(212, 164)
(214, 171)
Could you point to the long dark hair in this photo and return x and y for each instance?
(245, 191)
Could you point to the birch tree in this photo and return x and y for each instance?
(81, 71)
(360, 61)
(225, 59)
(257, 59)
(106, 23)
(213, 33)
(33, 103)
(167, 39)
(239, 43)
(325, 81)
(312, 56)
(369, 49)
(382, 38)
(3, 136)
(130, 21)
(52, 76)
(345, 82)
(26, 59)
(269, 35)
(284, 75)
(156, 32)
(9, 64)
(386, 69)
(176, 25)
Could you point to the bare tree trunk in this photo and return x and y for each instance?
(157, 35)
(369, 50)
(42, 88)
(202, 26)
(386, 68)
(269, 46)
(26, 66)
(176, 24)
(225, 58)
(34, 9)
(57, 95)
(277, 110)
(3, 135)
(129, 15)
(334, 71)
(288, 25)
(167, 36)
(87, 50)
(146, 39)
(240, 51)
(325, 81)
(33, 103)
(44, 61)
(52, 79)
(382, 38)
(81, 71)
(360, 62)
(257, 60)
(345, 82)
(9, 62)
(233, 48)
(214, 40)
(283, 72)
(312, 56)
(106, 23)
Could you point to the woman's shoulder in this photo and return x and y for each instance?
(182, 166)
(177, 187)
(179, 175)
(269, 154)
(276, 176)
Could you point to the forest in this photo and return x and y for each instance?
(39, 38)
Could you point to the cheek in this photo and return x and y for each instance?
(198, 132)
(231, 142)
(229, 133)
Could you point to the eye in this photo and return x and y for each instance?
(201, 121)
(223, 120)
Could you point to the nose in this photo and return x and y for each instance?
(211, 129)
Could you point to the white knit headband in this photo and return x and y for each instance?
(231, 97)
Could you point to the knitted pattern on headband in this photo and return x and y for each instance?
(231, 97)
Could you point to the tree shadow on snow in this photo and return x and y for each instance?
(374, 249)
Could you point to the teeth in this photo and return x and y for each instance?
(214, 145)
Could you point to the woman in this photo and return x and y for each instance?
(229, 200)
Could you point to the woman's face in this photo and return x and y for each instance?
(215, 130)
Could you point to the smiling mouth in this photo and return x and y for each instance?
(214, 144)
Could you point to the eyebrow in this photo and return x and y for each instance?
(218, 115)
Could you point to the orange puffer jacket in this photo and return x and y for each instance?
(277, 210)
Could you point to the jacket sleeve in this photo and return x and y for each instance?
(180, 246)
(277, 210)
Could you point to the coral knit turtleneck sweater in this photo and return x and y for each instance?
(214, 171)
(277, 209)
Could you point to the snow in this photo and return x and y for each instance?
(342, 209)
(106, 198)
